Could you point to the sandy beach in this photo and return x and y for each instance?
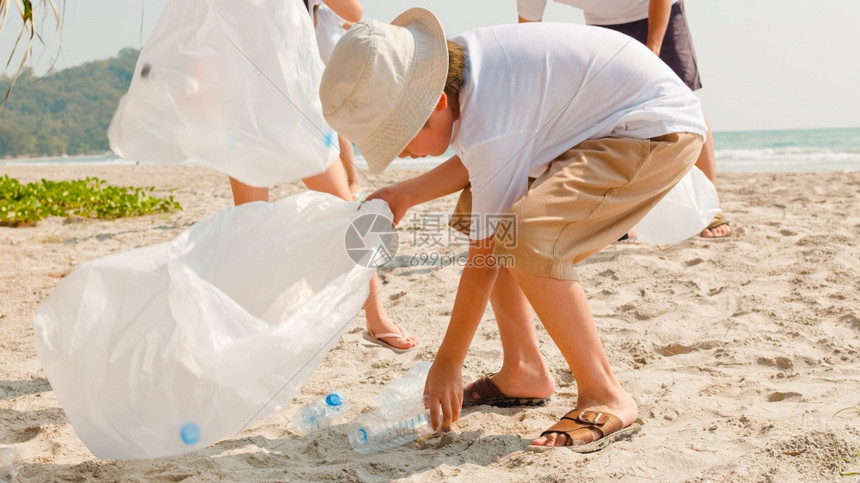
(740, 352)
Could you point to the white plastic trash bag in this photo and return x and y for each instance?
(231, 84)
(165, 349)
(685, 211)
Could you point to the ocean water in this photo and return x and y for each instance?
(105, 158)
(788, 151)
(800, 150)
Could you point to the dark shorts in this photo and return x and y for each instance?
(677, 49)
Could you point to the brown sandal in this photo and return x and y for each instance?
(489, 394)
(608, 425)
(719, 220)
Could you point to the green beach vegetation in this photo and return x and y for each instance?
(63, 113)
(26, 204)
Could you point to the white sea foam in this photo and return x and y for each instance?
(787, 159)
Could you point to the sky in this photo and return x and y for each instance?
(765, 64)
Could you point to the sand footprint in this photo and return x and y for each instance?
(785, 396)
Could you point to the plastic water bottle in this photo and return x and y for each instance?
(390, 426)
(407, 387)
(9, 463)
(320, 413)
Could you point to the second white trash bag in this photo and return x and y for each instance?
(231, 84)
(684, 212)
(165, 349)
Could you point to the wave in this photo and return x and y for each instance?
(772, 159)
(788, 159)
(792, 152)
(83, 160)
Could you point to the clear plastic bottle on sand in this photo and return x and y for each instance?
(409, 386)
(390, 426)
(10, 460)
(320, 413)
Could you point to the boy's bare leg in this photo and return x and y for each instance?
(563, 308)
(707, 162)
(524, 372)
(333, 180)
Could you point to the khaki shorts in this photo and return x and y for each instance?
(589, 197)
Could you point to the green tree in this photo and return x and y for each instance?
(66, 112)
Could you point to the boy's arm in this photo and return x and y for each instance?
(658, 22)
(449, 177)
(445, 380)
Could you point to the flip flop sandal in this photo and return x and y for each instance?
(379, 339)
(608, 425)
(719, 220)
(489, 394)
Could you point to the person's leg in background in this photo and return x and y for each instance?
(347, 158)
(707, 162)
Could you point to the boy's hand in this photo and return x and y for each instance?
(444, 390)
(444, 387)
(449, 177)
(397, 199)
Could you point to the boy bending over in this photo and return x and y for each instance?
(568, 133)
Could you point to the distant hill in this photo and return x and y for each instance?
(66, 112)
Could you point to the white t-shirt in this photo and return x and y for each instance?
(533, 91)
(597, 12)
(328, 29)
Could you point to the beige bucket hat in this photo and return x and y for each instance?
(383, 82)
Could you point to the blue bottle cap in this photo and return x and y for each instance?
(190, 433)
(334, 399)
